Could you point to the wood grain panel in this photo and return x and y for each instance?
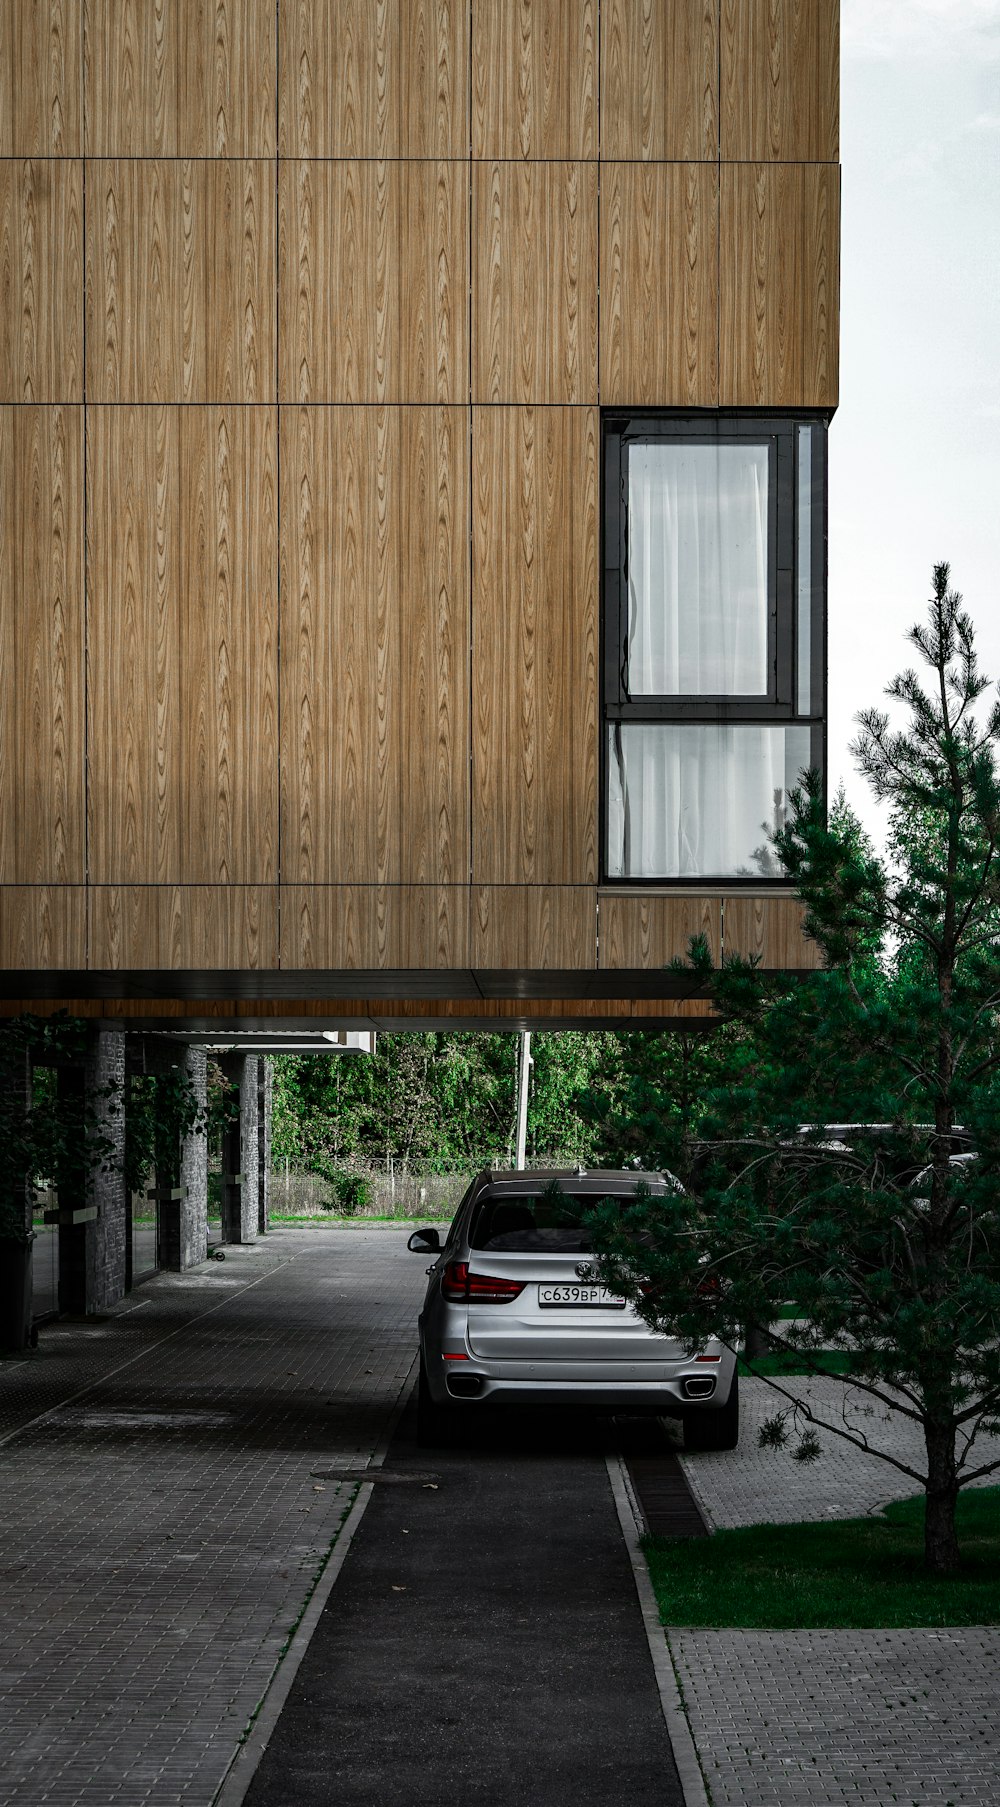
(534, 78)
(771, 929)
(368, 927)
(534, 292)
(182, 598)
(660, 284)
(660, 80)
(41, 266)
(183, 928)
(41, 645)
(374, 637)
(533, 927)
(374, 262)
(780, 276)
(645, 931)
(40, 78)
(374, 78)
(43, 926)
(780, 78)
(164, 79)
(180, 281)
(534, 645)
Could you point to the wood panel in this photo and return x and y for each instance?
(41, 645)
(182, 928)
(374, 78)
(533, 927)
(373, 282)
(771, 929)
(534, 78)
(534, 645)
(41, 274)
(660, 80)
(368, 927)
(643, 931)
(43, 926)
(660, 284)
(780, 274)
(780, 79)
(171, 80)
(40, 78)
(374, 645)
(180, 281)
(534, 292)
(182, 600)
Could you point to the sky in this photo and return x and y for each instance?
(915, 444)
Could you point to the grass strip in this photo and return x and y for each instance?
(325, 1218)
(862, 1573)
(824, 1361)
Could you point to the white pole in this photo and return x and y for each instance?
(522, 1098)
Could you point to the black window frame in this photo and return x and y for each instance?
(782, 704)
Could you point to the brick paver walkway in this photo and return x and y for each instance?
(754, 1486)
(789, 1718)
(162, 1533)
(828, 1718)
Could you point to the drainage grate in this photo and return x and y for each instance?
(658, 1481)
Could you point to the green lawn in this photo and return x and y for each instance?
(861, 1572)
(322, 1218)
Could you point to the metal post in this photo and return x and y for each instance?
(522, 1097)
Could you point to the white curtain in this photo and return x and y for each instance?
(697, 570)
(696, 800)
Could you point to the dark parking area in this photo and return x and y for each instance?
(483, 1642)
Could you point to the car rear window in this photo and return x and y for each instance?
(529, 1223)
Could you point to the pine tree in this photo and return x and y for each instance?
(884, 1233)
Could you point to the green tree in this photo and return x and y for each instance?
(44, 1138)
(886, 1243)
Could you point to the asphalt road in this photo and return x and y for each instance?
(483, 1643)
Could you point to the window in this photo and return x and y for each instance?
(714, 593)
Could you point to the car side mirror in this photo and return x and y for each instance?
(425, 1242)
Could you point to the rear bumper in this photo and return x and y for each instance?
(452, 1384)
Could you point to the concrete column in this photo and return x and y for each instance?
(194, 1170)
(241, 1152)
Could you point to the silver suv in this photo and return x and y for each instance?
(514, 1316)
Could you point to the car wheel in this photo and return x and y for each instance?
(438, 1426)
(719, 1429)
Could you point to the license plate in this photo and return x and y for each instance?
(568, 1293)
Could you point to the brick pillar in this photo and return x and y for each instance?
(75, 1282)
(15, 1200)
(194, 1171)
(181, 1164)
(107, 1232)
(240, 1152)
(93, 1207)
(265, 1095)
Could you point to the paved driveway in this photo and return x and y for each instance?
(162, 1532)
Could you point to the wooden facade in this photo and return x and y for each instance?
(309, 312)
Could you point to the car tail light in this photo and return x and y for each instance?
(461, 1287)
